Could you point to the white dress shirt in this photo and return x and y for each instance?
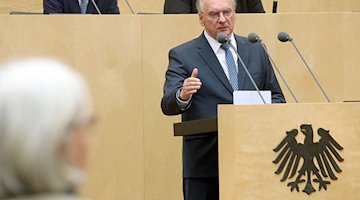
(86, 1)
(220, 53)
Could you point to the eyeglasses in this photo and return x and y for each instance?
(216, 15)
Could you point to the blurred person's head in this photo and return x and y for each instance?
(44, 110)
(217, 16)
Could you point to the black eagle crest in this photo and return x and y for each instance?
(323, 152)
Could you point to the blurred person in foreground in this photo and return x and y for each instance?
(45, 110)
(204, 73)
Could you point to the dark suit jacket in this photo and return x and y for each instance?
(200, 152)
(189, 6)
(72, 6)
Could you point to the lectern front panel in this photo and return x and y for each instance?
(289, 151)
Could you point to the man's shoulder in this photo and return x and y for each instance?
(190, 44)
(111, 1)
(54, 1)
(243, 41)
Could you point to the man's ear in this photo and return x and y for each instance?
(201, 19)
(64, 149)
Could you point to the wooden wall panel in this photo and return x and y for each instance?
(162, 149)
(109, 46)
(102, 49)
(351, 61)
(313, 40)
(6, 6)
(286, 6)
(124, 59)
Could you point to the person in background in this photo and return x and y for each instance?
(204, 73)
(45, 110)
(189, 6)
(81, 6)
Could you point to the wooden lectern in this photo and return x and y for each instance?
(307, 145)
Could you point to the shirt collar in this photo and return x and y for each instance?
(215, 45)
(86, 1)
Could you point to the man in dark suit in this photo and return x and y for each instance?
(74, 6)
(197, 80)
(189, 6)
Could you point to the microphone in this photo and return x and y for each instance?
(254, 38)
(128, 4)
(224, 38)
(284, 37)
(96, 7)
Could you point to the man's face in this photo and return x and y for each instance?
(218, 16)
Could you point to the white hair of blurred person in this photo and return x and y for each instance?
(44, 105)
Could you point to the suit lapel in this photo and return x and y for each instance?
(76, 6)
(91, 8)
(211, 60)
(243, 51)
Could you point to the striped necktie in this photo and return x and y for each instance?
(233, 74)
(83, 6)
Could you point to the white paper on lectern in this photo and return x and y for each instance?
(251, 97)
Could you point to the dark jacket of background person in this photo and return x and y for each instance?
(189, 6)
(72, 6)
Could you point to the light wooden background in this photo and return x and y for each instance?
(124, 59)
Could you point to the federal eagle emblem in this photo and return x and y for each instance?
(313, 161)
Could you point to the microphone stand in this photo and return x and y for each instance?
(277, 69)
(311, 72)
(248, 73)
(96, 7)
(128, 4)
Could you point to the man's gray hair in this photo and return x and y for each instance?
(40, 103)
(200, 5)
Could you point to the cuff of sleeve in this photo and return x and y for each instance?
(183, 104)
